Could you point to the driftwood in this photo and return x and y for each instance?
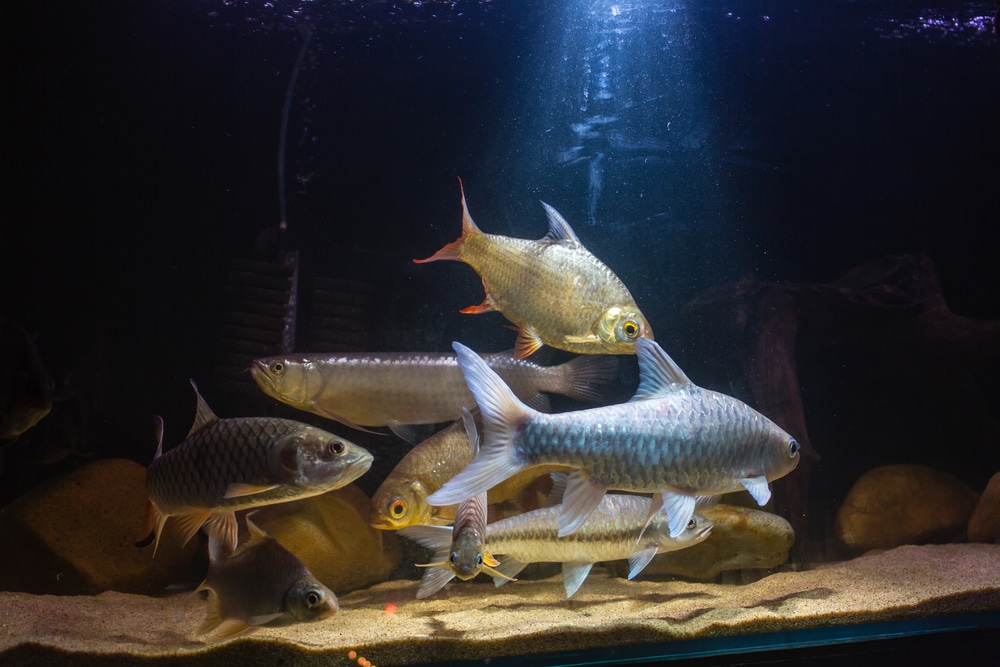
(896, 303)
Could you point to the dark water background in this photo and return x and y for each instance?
(690, 144)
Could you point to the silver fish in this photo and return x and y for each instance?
(616, 529)
(399, 389)
(466, 556)
(673, 439)
(226, 465)
(260, 584)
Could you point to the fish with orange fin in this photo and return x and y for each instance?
(553, 290)
(227, 465)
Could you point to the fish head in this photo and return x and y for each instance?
(697, 530)
(781, 453)
(308, 600)
(284, 378)
(620, 326)
(314, 459)
(400, 503)
(466, 558)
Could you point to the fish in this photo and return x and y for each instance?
(26, 390)
(227, 465)
(260, 584)
(466, 556)
(401, 389)
(684, 444)
(620, 527)
(401, 499)
(553, 290)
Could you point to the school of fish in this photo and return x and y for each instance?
(677, 444)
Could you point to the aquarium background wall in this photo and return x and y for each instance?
(149, 147)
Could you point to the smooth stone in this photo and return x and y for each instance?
(76, 535)
(895, 505)
(741, 539)
(330, 534)
(984, 524)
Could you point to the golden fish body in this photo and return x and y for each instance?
(401, 500)
(554, 290)
(261, 584)
(398, 389)
(227, 465)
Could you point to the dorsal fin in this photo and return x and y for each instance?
(203, 416)
(559, 229)
(658, 373)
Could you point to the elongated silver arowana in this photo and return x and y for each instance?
(226, 465)
(673, 439)
(398, 389)
(616, 529)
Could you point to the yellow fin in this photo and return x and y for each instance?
(238, 490)
(489, 559)
(527, 343)
(191, 521)
(223, 527)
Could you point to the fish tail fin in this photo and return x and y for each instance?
(588, 376)
(501, 411)
(453, 250)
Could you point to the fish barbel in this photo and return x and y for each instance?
(401, 499)
(399, 389)
(260, 584)
(616, 529)
(226, 465)
(467, 555)
(673, 439)
(554, 290)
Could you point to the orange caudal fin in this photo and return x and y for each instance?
(453, 250)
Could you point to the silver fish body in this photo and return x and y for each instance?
(226, 465)
(617, 529)
(400, 389)
(261, 584)
(673, 439)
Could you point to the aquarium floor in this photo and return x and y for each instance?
(386, 625)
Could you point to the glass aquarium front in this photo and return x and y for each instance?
(564, 332)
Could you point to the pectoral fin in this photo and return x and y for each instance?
(484, 307)
(239, 490)
(577, 340)
(507, 570)
(757, 486)
(573, 576)
(264, 619)
(639, 560)
(583, 495)
(679, 507)
(527, 343)
(434, 580)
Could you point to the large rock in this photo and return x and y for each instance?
(741, 539)
(76, 535)
(984, 524)
(904, 504)
(331, 535)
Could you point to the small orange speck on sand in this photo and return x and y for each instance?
(352, 655)
(390, 609)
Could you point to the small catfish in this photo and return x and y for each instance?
(401, 389)
(261, 584)
(227, 465)
(620, 527)
(553, 290)
(467, 555)
(683, 443)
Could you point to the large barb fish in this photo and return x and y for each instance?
(673, 439)
(227, 465)
(554, 290)
(400, 389)
(616, 529)
(261, 584)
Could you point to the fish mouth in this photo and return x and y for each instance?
(258, 371)
(357, 467)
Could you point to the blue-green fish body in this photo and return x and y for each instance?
(673, 439)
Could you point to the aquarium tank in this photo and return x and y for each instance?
(398, 332)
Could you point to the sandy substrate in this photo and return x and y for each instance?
(386, 625)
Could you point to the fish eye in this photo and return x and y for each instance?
(630, 329)
(335, 447)
(314, 597)
(454, 557)
(692, 524)
(397, 508)
(793, 448)
(479, 560)
(277, 367)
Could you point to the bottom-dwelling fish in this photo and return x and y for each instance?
(227, 465)
(467, 555)
(260, 584)
(612, 532)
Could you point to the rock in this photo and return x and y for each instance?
(76, 535)
(984, 524)
(904, 504)
(741, 538)
(331, 535)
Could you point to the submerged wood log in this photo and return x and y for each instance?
(893, 306)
